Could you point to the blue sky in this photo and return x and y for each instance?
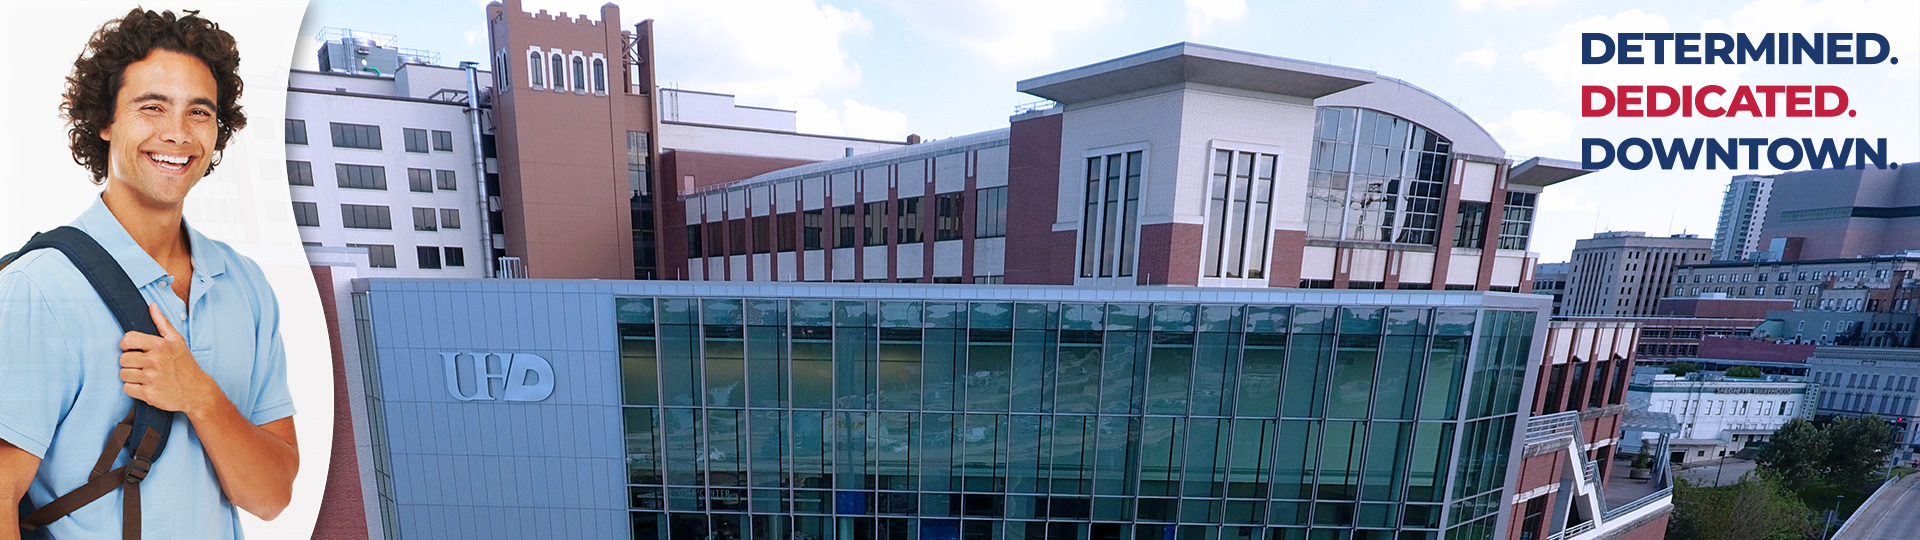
(886, 68)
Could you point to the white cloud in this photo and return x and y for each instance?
(1532, 131)
(852, 119)
(473, 36)
(1483, 57)
(1007, 32)
(1203, 14)
(1503, 5)
(1560, 59)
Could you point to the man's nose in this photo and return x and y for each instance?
(176, 128)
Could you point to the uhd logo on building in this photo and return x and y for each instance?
(522, 377)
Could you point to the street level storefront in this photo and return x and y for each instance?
(657, 410)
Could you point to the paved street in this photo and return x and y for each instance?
(1894, 515)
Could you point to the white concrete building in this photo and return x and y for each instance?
(1719, 416)
(1870, 380)
(1742, 212)
(388, 163)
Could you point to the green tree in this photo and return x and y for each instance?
(1747, 372)
(1682, 368)
(1760, 507)
(1797, 452)
(1856, 447)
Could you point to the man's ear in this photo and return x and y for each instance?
(106, 133)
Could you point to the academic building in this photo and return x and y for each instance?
(685, 410)
(1195, 294)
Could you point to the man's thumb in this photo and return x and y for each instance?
(160, 321)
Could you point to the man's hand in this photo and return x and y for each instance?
(255, 464)
(161, 371)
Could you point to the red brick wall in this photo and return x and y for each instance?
(563, 163)
(1169, 254)
(342, 511)
(1036, 255)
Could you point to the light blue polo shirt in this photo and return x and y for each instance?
(60, 389)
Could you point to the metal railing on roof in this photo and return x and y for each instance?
(1033, 106)
(1643, 502)
(1550, 427)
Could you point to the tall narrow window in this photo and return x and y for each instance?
(599, 75)
(844, 219)
(557, 69)
(909, 221)
(693, 242)
(1470, 230)
(579, 74)
(947, 218)
(1240, 203)
(814, 221)
(1110, 215)
(875, 233)
(1516, 221)
(990, 219)
(535, 76)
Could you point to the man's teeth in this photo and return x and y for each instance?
(176, 160)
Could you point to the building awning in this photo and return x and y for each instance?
(1544, 171)
(1194, 63)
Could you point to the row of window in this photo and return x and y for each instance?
(427, 257)
(899, 221)
(362, 216)
(300, 173)
(1783, 276)
(419, 141)
(1899, 383)
(1849, 401)
(1667, 350)
(1577, 385)
(549, 70)
(1712, 407)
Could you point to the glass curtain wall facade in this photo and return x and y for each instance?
(1375, 177)
(777, 419)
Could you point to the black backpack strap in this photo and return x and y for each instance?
(144, 432)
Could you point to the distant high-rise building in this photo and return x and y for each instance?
(1843, 213)
(1741, 214)
(1626, 272)
(1551, 279)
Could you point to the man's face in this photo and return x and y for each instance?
(163, 130)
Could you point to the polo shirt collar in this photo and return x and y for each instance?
(140, 267)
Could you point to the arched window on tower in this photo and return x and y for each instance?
(600, 76)
(534, 77)
(558, 70)
(579, 74)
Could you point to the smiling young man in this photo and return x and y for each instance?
(150, 104)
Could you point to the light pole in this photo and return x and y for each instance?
(1832, 516)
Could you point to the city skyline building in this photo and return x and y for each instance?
(1625, 273)
(1743, 211)
(1842, 213)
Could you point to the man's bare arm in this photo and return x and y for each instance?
(255, 464)
(16, 473)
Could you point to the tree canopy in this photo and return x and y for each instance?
(1748, 372)
(1759, 507)
(1682, 368)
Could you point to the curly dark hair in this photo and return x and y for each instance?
(95, 83)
